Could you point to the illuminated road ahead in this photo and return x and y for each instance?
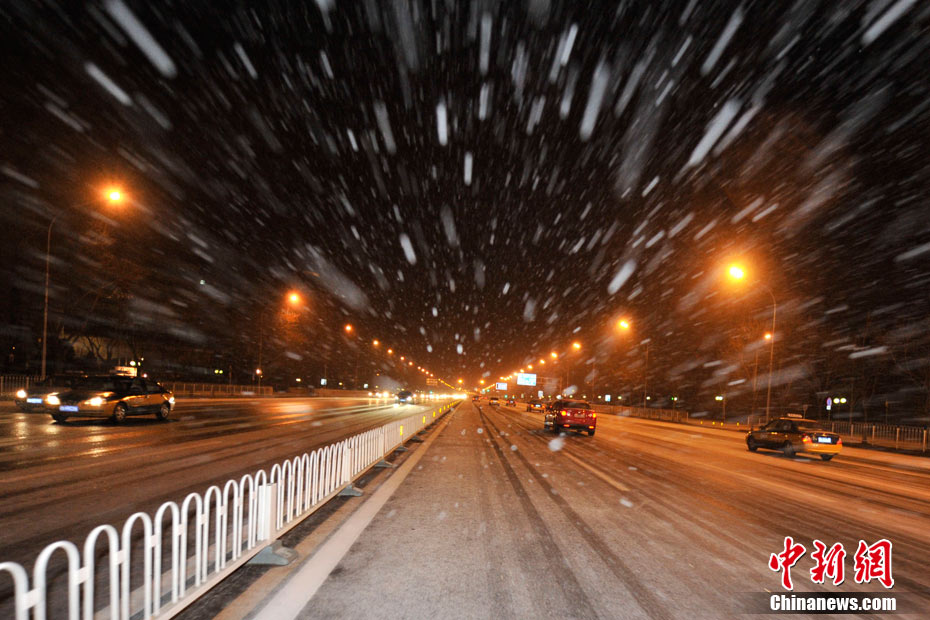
(59, 481)
(646, 519)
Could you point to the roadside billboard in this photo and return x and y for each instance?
(502, 387)
(526, 378)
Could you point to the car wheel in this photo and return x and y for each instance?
(164, 412)
(591, 433)
(59, 417)
(788, 449)
(119, 413)
(827, 457)
(751, 444)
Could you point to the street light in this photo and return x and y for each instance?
(375, 343)
(113, 195)
(294, 298)
(348, 328)
(738, 273)
(623, 324)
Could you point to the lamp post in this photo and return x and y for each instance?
(113, 195)
(738, 273)
(294, 299)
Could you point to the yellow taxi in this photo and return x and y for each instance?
(792, 434)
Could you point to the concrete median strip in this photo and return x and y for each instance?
(303, 583)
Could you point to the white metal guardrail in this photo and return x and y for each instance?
(668, 415)
(9, 384)
(213, 390)
(230, 525)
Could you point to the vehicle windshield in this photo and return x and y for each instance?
(809, 425)
(101, 384)
(576, 404)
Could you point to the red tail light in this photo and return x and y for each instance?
(806, 438)
(839, 441)
(593, 415)
(563, 412)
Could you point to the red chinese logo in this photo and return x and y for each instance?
(785, 560)
(829, 564)
(872, 562)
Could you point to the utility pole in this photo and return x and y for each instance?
(645, 374)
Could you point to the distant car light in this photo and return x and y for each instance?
(21, 394)
(52, 399)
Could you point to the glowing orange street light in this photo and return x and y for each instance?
(623, 324)
(576, 345)
(375, 343)
(554, 355)
(402, 358)
(481, 381)
(736, 272)
(114, 195)
(460, 381)
(411, 363)
(390, 351)
(293, 298)
(348, 328)
(768, 335)
(530, 367)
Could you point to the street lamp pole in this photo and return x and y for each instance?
(768, 395)
(48, 253)
(645, 374)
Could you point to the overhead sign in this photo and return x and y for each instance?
(432, 381)
(526, 378)
(502, 386)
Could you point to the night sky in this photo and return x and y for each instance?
(479, 183)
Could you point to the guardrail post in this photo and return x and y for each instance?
(897, 436)
(873, 434)
(923, 444)
(274, 554)
(346, 474)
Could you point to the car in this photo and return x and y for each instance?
(111, 396)
(511, 402)
(494, 401)
(32, 398)
(793, 434)
(535, 405)
(570, 415)
(476, 399)
(405, 397)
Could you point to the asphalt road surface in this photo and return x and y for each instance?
(645, 519)
(59, 481)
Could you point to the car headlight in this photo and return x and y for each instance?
(52, 399)
(21, 394)
(171, 399)
(96, 401)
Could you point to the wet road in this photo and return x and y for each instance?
(59, 481)
(645, 519)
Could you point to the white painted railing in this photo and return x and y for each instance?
(230, 525)
(9, 384)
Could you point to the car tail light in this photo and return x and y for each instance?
(593, 415)
(806, 438)
(563, 412)
(839, 441)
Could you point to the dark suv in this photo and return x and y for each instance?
(570, 415)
